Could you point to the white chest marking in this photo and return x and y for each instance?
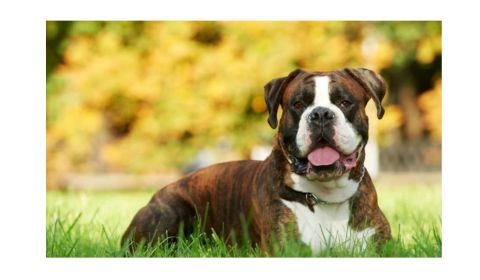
(328, 224)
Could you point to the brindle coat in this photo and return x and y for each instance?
(236, 192)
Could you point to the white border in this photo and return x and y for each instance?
(22, 146)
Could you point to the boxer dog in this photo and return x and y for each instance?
(314, 177)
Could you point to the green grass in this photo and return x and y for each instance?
(90, 224)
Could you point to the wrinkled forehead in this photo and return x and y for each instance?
(305, 82)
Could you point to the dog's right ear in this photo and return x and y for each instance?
(273, 95)
(374, 86)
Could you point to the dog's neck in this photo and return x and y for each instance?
(337, 190)
(279, 156)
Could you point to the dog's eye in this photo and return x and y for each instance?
(345, 103)
(298, 105)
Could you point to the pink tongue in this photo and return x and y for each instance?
(323, 156)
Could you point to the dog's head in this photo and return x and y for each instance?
(324, 128)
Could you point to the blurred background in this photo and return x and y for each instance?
(138, 104)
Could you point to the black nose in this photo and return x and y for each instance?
(321, 115)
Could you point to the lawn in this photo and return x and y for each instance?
(90, 224)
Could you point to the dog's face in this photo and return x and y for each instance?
(324, 128)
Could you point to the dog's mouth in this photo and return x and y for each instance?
(324, 155)
(324, 162)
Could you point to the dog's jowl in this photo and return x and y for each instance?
(314, 178)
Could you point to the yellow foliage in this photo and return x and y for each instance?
(392, 119)
(430, 102)
(79, 51)
(378, 52)
(148, 100)
(384, 55)
(428, 48)
(108, 42)
(258, 104)
(77, 122)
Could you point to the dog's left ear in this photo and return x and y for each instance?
(373, 84)
(273, 92)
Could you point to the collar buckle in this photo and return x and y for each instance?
(312, 200)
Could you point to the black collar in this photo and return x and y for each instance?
(305, 198)
(308, 199)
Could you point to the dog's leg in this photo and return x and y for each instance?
(158, 220)
(366, 212)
